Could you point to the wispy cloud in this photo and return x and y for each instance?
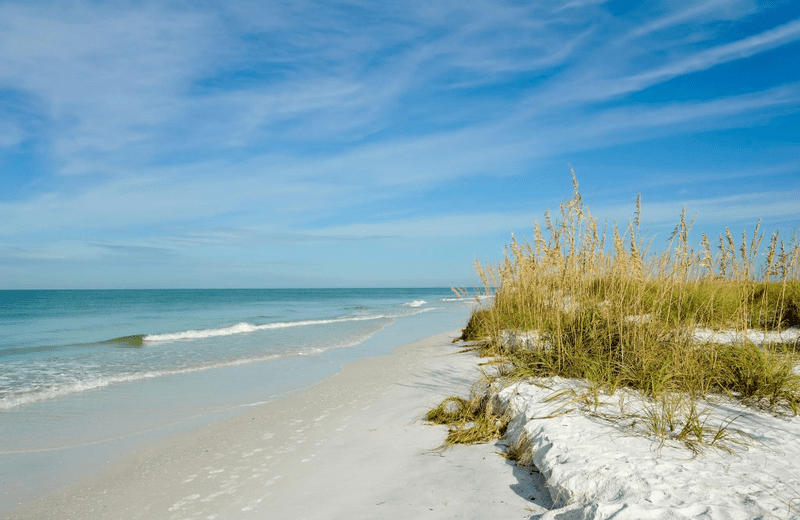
(706, 59)
(710, 9)
(637, 122)
(615, 77)
(105, 77)
(454, 225)
(147, 129)
(128, 251)
(578, 4)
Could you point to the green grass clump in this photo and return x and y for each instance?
(776, 305)
(480, 325)
(760, 375)
(612, 311)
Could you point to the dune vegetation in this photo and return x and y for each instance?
(600, 304)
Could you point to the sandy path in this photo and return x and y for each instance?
(354, 446)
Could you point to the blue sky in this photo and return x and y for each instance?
(360, 143)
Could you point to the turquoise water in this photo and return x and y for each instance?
(85, 375)
(56, 343)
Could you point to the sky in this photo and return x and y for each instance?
(258, 143)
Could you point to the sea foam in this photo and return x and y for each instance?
(96, 382)
(245, 327)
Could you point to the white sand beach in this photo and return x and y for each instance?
(354, 446)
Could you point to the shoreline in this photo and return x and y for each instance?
(59, 442)
(355, 443)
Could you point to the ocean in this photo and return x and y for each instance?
(86, 375)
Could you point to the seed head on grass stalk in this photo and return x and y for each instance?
(623, 316)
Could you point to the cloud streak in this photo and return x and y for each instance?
(703, 60)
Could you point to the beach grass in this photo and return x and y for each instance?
(470, 420)
(601, 304)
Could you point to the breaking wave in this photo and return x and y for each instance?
(245, 327)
